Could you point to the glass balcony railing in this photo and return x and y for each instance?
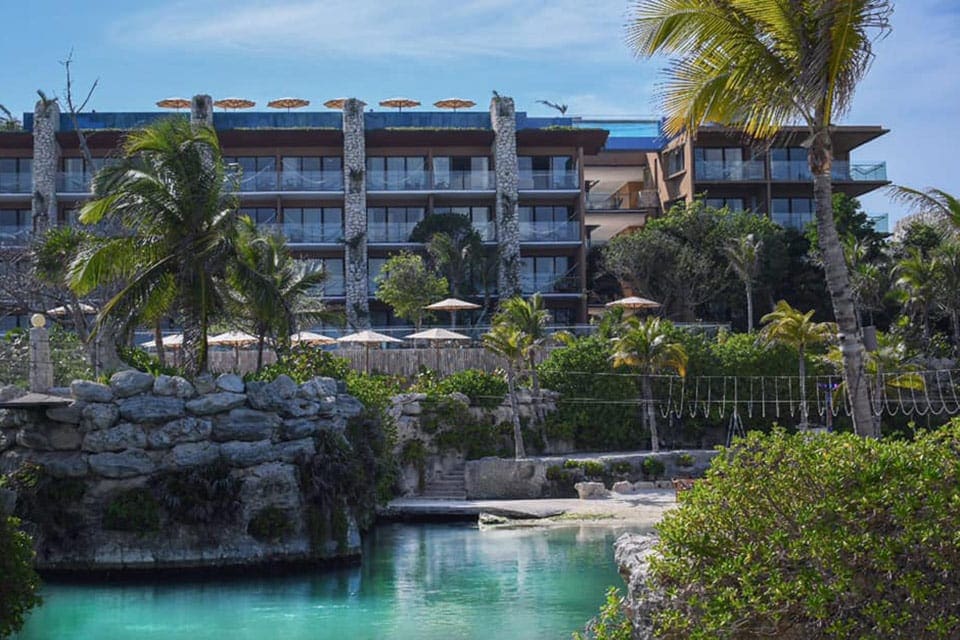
(487, 230)
(550, 231)
(647, 199)
(334, 286)
(789, 220)
(549, 283)
(74, 182)
(311, 180)
(464, 180)
(261, 181)
(306, 233)
(11, 236)
(730, 170)
(16, 182)
(842, 171)
(549, 180)
(398, 181)
(389, 231)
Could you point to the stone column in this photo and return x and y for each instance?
(355, 214)
(41, 366)
(201, 110)
(503, 119)
(46, 161)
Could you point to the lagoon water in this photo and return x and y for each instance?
(423, 581)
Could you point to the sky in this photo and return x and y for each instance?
(566, 51)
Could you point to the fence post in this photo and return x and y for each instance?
(41, 366)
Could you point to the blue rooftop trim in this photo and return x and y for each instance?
(426, 120)
(639, 143)
(122, 121)
(225, 120)
(531, 122)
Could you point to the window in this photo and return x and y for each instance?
(462, 172)
(333, 285)
(311, 173)
(548, 172)
(789, 163)
(257, 173)
(15, 226)
(792, 213)
(673, 161)
(396, 173)
(547, 223)
(480, 217)
(260, 215)
(16, 175)
(547, 274)
(374, 266)
(313, 224)
(734, 204)
(392, 224)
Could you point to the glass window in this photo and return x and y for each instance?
(260, 215)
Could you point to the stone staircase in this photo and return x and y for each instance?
(450, 486)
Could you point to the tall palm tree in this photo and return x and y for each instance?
(947, 256)
(763, 64)
(530, 318)
(797, 330)
(744, 256)
(646, 346)
(917, 284)
(170, 200)
(508, 342)
(934, 202)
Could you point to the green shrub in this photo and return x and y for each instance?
(819, 536)
(143, 361)
(557, 473)
(203, 495)
(611, 624)
(593, 468)
(270, 524)
(685, 460)
(305, 362)
(20, 585)
(373, 391)
(621, 468)
(414, 452)
(484, 389)
(134, 510)
(653, 467)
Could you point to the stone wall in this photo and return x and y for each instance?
(46, 161)
(632, 553)
(153, 473)
(504, 122)
(355, 215)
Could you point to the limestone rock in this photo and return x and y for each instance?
(7, 439)
(327, 406)
(9, 392)
(490, 519)
(176, 386)
(179, 431)
(462, 398)
(499, 479)
(297, 428)
(71, 414)
(130, 383)
(49, 436)
(151, 408)
(204, 384)
(63, 464)
(297, 450)
(271, 396)
(591, 490)
(318, 388)
(123, 436)
(126, 464)
(215, 403)
(191, 454)
(272, 484)
(632, 553)
(624, 487)
(230, 382)
(8, 418)
(348, 406)
(299, 408)
(244, 424)
(91, 391)
(248, 454)
(412, 409)
(98, 415)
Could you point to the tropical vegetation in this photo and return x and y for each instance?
(20, 586)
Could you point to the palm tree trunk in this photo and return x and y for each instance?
(955, 324)
(260, 341)
(535, 383)
(749, 308)
(520, 452)
(838, 282)
(158, 343)
(650, 413)
(803, 392)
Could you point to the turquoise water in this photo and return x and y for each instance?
(417, 581)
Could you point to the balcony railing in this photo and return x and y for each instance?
(398, 181)
(730, 170)
(789, 220)
(74, 182)
(16, 182)
(311, 180)
(11, 236)
(464, 180)
(389, 231)
(549, 283)
(549, 180)
(842, 171)
(487, 230)
(550, 231)
(646, 199)
(307, 233)
(333, 286)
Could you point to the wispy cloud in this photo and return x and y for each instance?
(437, 29)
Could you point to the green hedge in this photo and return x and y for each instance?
(19, 585)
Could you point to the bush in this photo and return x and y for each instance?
(133, 510)
(611, 624)
(304, 362)
(816, 536)
(271, 524)
(143, 361)
(591, 468)
(685, 460)
(653, 467)
(20, 584)
(484, 389)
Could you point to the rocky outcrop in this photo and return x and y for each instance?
(632, 553)
(158, 472)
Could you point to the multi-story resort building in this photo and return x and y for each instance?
(346, 188)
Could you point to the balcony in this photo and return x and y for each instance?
(568, 231)
(487, 230)
(730, 170)
(306, 233)
(389, 232)
(333, 286)
(311, 180)
(646, 199)
(14, 236)
(262, 181)
(464, 180)
(531, 283)
(16, 182)
(567, 180)
(398, 181)
(843, 171)
(74, 182)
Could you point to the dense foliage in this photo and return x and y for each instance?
(66, 350)
(611, 623)
(19, 585)
(826, 536)
(407, 285)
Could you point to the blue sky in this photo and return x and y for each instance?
(566, 51)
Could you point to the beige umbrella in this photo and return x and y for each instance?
(436, 337)
(368, 338)
(173, 103)
(309, 337)
(234, 103)
(66, 310)
(236, 339)
(634, 302)
(174, 341)
(338, 103)
(452, 305)
(399, 103)
(454, 103)
(288, 103)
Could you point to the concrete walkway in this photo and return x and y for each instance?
(641, 509)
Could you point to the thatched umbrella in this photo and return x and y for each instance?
(400, 103)
(338, 103)
(436, 337)
(60, 312)
(454, 103)
(236, 339)
(288, 103)
(634, 303)
(173, 103)
(309, 337)
(368, 338)
(235, 103)
(452, 305)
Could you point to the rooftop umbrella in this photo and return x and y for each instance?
(368, 338)
(65, 310)
(399, 103)
(452, 305)
(436, 337)
(454, 103)
(337, 103)
(309, 337)
(234, 103)
(288, 103)
(173, 103)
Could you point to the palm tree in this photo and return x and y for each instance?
(530, 318)
(797, 330)
(947, 258)
(507, 342)
(170, 200)
(744, 256)
(763, 64)
(273, 292)
(936, 203)
(646, 346)
(917, 284)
